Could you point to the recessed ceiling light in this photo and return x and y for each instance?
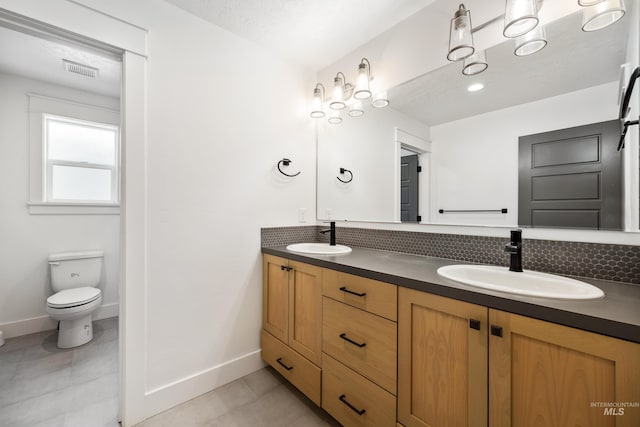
(475, 87)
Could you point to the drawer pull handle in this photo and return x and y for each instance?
(344, 289)
(474, 324)
(343, 399)
(279, 360)
(496, 331)
(344, 337)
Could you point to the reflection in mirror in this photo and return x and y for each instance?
(469, 140)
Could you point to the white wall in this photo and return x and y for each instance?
(28, 239)
(221, 112)
(466, 173)
(366, 146)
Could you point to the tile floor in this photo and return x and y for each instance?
(261, 399)
(44, 386)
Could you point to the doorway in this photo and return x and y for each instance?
(79, 86)
(409, 186)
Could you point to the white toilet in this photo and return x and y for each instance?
(75, 277)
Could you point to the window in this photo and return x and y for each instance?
(81, 161)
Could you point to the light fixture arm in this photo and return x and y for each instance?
(486, 24)
(367, 66)
(342, 78)
(320, 87)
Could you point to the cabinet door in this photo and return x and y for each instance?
(305, 310)
(442, 361)
(543, 374)
(275, 297)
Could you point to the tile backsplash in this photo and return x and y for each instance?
(595, 260)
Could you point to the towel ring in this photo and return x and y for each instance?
(286, 162)
(342, 171)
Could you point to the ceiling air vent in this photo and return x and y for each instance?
(83, 70)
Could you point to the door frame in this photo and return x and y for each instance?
(76, 22)
(422, 148)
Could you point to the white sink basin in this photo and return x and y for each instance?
(319, 249)
(531, 283)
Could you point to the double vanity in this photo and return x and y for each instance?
(382, 338)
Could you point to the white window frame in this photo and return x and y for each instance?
(50, 163)
(39, 105)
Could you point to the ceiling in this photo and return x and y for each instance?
(313, 33)
(41, 59)
(572, 60)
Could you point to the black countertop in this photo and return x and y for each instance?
(616, 315)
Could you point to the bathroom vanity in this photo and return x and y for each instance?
(380, 339)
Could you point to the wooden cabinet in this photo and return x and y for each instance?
(292, 315)
(352, 399)
(363, 341)
(291, 365)
(442, 361)
(370, 295)
(359, 344)
(541, 373)
(537, 373)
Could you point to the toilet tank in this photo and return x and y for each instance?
(75, 269)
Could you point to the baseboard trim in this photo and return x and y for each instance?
(177, 392)
(46, 323)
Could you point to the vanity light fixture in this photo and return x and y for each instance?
(356, 108)
(532, 42)
(334, 117)
(520, 17)
(337, 98)
(380, 100)
(347, 96)
(318, 99)
(475, 64)
(475, 87)
(602, 14)
(460, 37)
(364, 77)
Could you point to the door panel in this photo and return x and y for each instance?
(442, 361)
(571, 172)
(541, 373)
(305, 314)
(409, 188)
(275, 298)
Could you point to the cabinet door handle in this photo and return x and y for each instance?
(279, 360)
(344, 337)
(474, 324)
(496, 330)
(343, 399)
(344, 289)
(285, 268)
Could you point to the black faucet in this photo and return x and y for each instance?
(332, 230)
(515, 249)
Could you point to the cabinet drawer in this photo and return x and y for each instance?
(352, 399)
(364, 342)
(376, 297)
(295, 368)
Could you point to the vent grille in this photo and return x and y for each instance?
(83, 70)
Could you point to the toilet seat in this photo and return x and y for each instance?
(73, 297)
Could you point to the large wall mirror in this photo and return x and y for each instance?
(469, 146)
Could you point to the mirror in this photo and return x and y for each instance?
(467, 142)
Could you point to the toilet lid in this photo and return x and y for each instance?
(73, 297)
